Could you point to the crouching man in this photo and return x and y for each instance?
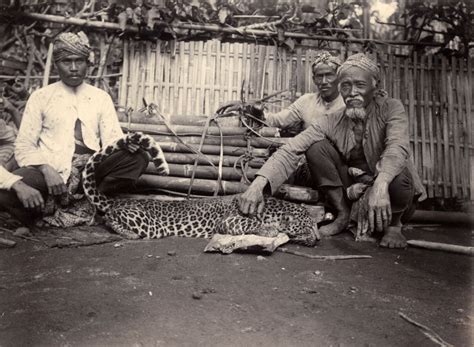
(63, 124)
(361, 152)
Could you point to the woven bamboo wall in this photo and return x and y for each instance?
(193, 78)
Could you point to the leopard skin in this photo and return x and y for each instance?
(149, 218)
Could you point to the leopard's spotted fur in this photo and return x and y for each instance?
(147, 218)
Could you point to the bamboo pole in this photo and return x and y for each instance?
(174, 147)
(197, 130)
(207, 172)
(238, 141)
(188, 158)
(208, 27)
(202, 186)
(446, 247)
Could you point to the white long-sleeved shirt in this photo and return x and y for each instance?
(7, 179)
(7, 140)
(46, 134)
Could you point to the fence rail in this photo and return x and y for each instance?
(194, 78)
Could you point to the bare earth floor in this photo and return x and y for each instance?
(139, 295)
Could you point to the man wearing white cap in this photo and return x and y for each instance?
(360, 153)
(64, 123)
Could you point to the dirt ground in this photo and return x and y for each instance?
(169, 293)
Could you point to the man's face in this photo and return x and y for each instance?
(325, 78)
(356, 87)
(72, 69)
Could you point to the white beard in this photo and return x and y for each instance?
(356, 113)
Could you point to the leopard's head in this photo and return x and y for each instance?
(301, 229)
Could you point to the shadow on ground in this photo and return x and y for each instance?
(169, 293)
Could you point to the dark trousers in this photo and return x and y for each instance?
(330, 170)
(116, 174)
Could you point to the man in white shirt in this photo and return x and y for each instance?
(61, 121)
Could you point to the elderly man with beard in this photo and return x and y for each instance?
(63, 124)
(369, 137)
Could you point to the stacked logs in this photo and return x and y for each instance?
(244, 152)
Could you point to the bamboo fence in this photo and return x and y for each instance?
(189, 80)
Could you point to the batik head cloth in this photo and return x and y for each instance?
(326, 58)
(363, 62)
(70, 43)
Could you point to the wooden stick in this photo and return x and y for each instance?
(323, 257)
(442, 247)
(6, 242)
(429, 333)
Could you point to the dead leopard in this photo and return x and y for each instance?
(148, 218)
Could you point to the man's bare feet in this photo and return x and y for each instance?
(393, 238)
(337, 226)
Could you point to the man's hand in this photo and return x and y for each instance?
(29, 197)
(379, 212)
(53, 180)
(251, 202)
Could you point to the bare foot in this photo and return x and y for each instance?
(393, 238)
(336, 227)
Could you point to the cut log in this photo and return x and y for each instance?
(208, 172)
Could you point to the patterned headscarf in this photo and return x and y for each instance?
(70, 43)
(363, 62)
(326, 58)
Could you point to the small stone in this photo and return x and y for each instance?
(197, 296)
(260, 258)
(317, 273)
(459, 310)
(171, 253)
(283, 268)
(150, 293)
(117, 245)
(157, 257)
(149, 255)
(21, 231)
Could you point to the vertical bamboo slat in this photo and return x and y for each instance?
(445, 128)
(124, 79)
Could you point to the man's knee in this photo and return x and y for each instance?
(401, 191)
(321, 151)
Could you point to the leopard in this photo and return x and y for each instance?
(203, 217)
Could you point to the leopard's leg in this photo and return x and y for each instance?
(116, 224)
(241, 225)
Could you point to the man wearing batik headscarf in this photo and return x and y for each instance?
(360, 153)
(64, 123)
(312, 105)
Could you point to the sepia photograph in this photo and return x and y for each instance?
(274, 173)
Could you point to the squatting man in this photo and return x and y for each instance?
(63, 124)
(359, 157)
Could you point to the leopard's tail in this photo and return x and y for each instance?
(147, 143)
